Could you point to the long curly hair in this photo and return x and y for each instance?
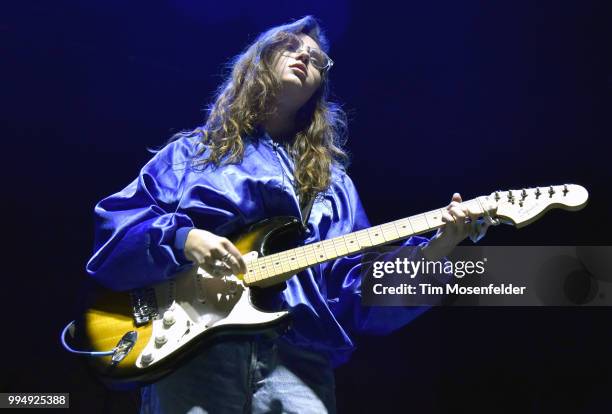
(245, 99)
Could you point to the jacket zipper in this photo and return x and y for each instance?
(284, 169)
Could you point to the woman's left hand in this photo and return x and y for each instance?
(459, 223)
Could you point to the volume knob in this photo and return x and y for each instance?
(169, 319)
(146, 358)
(160, 339)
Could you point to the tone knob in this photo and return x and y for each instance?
(169, 319)
(160, 340)
(146, 358)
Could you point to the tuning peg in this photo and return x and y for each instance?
(551, 191)
(565, 190)
(497, 197)
(524, 194)
(510, 197)
(538, 193)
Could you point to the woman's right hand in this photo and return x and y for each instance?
(216, 255)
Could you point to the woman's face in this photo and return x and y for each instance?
(293, 65)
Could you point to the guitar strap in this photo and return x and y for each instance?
(306, 210)
(269, 297)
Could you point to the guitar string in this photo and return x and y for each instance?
(280, 261)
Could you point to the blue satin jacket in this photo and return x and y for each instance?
(140, 234)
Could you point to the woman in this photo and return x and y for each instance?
(270, 147)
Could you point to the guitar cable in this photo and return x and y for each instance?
(75, 351)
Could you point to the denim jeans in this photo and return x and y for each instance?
(251, 374)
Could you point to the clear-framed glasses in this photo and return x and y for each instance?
(318, 58)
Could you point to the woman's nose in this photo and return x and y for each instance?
(303, 55)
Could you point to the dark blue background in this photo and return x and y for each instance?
(443, 96)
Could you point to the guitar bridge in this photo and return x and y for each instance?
(144, 305)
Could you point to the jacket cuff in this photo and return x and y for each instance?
(180, 238)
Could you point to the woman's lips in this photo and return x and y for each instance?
(300, 70)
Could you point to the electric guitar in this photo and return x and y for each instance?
(139, 336)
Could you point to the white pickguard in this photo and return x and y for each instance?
(198, 302)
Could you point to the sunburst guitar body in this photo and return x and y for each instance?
(156, 328)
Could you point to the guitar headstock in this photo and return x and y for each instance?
(524, 206)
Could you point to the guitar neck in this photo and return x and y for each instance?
(278, 267)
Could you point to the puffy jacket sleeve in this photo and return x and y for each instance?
(345, 282)
(135, 229)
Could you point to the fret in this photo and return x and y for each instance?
(287, 262)
(293, 261)
(319, 252)
(290, 258)
(251, 274)
(340, 246)
(419, 224)
(434, 218)
(271, 266)
(262, 269)
(275, 265)
(403, 227)
(257, 274)
(352, 244)
(363, 238)
(389, 231)
(474, 206)
(311, 254)
(344, 241)
(426, 221)
(261, 275)
(300, 254)
(376, 235)
(282, 259)
(330, 249)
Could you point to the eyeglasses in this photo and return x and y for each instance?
(318, 58)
